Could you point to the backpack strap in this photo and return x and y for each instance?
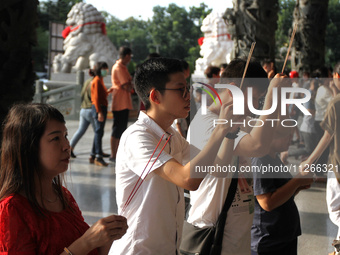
(220, 224)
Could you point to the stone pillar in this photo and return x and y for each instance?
(308, 50)
(18, 22)
(38, 91)
(253, 21)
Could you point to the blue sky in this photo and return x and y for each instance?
(143, 9)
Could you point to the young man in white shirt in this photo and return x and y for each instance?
(207, 201)
(155, 213)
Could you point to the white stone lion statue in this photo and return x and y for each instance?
(217, 44)
(85, 41)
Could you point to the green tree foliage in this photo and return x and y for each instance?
(197, 14)
(130, 32)
(55, 11)
(176, 31)
(18, 21)
(333, 33)
(39, 53)
(285, 19)
(284, 24)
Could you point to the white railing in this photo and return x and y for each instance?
(65, 96)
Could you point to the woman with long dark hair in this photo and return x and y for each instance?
(37, 214)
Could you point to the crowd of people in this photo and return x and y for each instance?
(155, 163)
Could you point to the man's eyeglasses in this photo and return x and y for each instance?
(185, 90)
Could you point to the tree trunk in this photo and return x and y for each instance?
(18, 21)
(308, 51)
(253, 21)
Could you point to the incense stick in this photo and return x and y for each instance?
(135, 189)
(140, 177)
(290, 45)
(248, 60)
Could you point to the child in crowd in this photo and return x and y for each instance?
(276, 223)
(37, 214)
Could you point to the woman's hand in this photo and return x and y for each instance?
(105, 230)
(100, 117)
(100, 235)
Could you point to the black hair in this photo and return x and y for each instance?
(337, 68)
(154, 73)
(306, 73)
(123, 51)
(153, 55)
(330, 70)
(223, 65)
(322, 74)
(234, 73)
(92, 73)
(269, 62)
(98, 68)
(24, 126)
(211, 70)
(185, 64)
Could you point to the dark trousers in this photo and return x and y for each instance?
(289, 249)
(120, 122)
(98, 132)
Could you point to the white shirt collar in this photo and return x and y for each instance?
(149, 122)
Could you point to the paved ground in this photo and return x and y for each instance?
(94, 189)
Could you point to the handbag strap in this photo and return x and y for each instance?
(220, 224)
